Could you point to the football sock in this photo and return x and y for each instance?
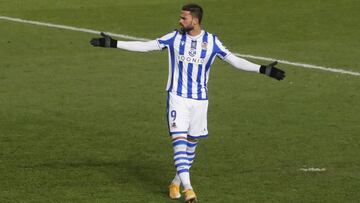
(176, 180)
(190, 151)
(181, 161)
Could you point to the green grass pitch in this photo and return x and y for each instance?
(84, 124)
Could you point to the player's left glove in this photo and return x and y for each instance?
(105, 41)
(271, 71)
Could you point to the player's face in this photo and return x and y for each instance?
(186, 21)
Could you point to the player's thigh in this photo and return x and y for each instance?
(198, 121)
(178, 114)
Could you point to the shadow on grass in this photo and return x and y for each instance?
(135, 172)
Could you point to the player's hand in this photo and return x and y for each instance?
(105, 41)
(271, 71)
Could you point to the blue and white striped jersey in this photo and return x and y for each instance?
(190, 59)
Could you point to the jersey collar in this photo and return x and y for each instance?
(197, 36)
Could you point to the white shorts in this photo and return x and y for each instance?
(187, 116)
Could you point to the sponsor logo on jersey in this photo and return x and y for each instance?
(190, 59)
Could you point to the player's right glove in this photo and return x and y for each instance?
(105, 41)
(271, 71)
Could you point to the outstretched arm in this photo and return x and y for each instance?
(138, 46)
(241, 64)
(269, 70)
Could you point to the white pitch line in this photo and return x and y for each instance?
(65, 27)
(312, 169)
(304, 65)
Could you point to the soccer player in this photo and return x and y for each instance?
(191, 51)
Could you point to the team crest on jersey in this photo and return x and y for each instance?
(204, 45)
(192, 52)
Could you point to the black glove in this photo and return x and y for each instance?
(271, 71)
(105, 41)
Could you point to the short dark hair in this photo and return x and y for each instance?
(195, 10)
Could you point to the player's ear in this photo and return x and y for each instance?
(195, 21)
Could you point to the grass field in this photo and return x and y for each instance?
(84, 124)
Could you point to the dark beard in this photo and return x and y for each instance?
(185, 30)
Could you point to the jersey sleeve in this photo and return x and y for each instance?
(152, 45)
(239, 63)
(221, 51)
(138, 46)
(166, 40)
(242, 64)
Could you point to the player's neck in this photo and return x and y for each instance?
(195, 32)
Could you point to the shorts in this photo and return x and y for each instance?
(187, 116)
